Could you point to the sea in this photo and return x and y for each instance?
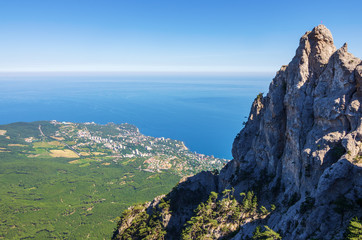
(205, 112)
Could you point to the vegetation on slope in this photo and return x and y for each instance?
(47, 190)
(218, 217)
(47, 198)
(266, 234)
(354, 230)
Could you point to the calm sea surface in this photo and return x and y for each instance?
(204, 112)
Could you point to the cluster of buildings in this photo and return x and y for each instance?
(125, 141)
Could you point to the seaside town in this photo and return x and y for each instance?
(124, 142)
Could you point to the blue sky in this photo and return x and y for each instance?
(166, 36)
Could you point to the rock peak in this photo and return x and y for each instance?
(318, 43)
(319, 37)
(313, 53)
(344, 47)
(300, 150)
(322, 33)
(308, 134)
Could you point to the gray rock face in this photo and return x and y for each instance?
(306, 134)
(301, 148)
(182, 201)
(186, 197)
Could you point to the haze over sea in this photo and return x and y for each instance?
(205, 112)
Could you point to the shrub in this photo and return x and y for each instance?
(249, 202)
(272, 207)
(260, 96)
(263, 210)
(354, 230)
(266, 234)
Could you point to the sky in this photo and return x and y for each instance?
(226, 36)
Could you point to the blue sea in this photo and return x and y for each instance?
(204, 112)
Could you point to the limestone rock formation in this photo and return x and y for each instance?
(307, 134)
(301, 149)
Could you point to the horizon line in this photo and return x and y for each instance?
(134, 73)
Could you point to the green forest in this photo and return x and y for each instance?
(46, 198)
(48, 191)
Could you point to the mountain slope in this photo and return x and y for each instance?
(300, 149)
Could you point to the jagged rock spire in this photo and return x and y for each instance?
(308, 135)
(300, 148)
(318, 43)
(314, 51)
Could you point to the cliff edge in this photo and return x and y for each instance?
(300, 153)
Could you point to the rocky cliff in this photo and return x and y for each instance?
(301, 150)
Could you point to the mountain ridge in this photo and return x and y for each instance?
(301, 149)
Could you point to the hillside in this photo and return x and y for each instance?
(72, 180)
(296, 172)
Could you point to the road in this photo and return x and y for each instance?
(70, 148)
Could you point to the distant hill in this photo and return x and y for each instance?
(72, 180)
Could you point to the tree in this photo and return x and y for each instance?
(255, 203)
(354, 230)
(213, 196)
(250, 202)
(267, 234)
(272, 207)
(263, 210)
(247, 201)
(226, 193)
